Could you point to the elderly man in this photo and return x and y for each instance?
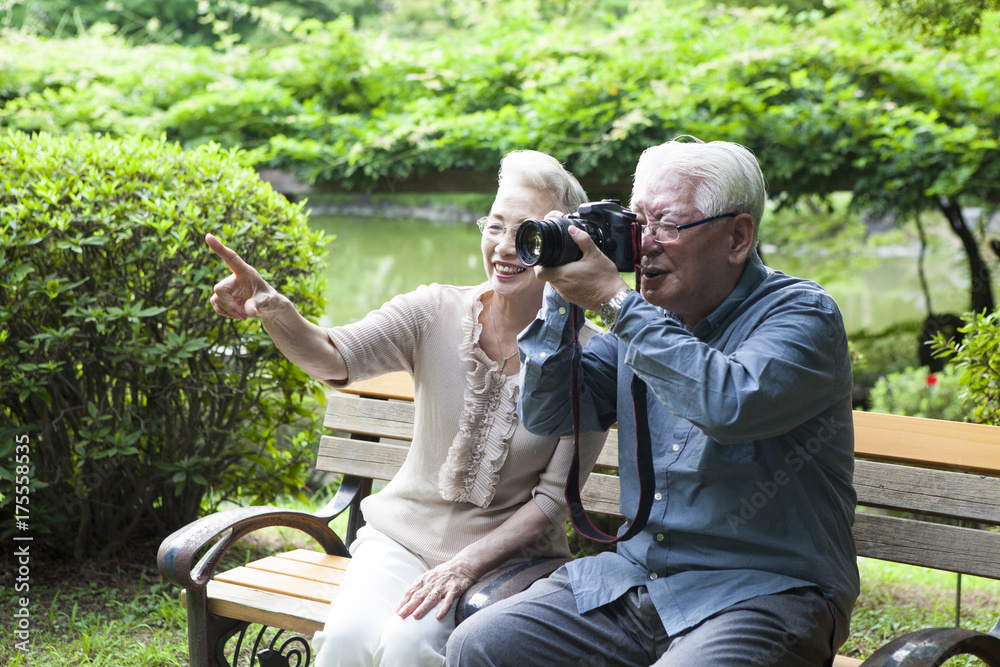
(747, 556)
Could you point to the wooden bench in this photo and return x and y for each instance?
(929, 468)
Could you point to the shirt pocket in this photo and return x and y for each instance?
(691, 449)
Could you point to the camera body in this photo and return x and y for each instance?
(613, 229)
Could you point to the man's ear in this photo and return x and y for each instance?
(744, 228)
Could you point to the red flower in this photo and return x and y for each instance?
(931, 379)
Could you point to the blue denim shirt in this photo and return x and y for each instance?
(753, 445)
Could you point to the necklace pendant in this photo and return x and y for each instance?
(502, 362)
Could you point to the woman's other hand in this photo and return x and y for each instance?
(440, 587)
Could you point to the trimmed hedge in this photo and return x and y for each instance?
(140, 404)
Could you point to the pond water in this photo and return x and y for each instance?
(374, 259)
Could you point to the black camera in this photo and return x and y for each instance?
(614, 230)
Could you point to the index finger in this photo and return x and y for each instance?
(582, 239)
(232, 260)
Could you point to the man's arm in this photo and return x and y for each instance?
(546, 351)
(794, 362)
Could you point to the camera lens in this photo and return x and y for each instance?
(529, 243)
(546, 243)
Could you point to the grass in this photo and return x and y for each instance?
(122, 613)
(896, 599)
(98, 615)
(116, 615)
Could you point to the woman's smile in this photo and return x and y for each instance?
(506, 270)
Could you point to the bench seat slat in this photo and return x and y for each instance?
(316, 558)
(318, 591)
(926, 491)
(934, 545)
(295, 568)
(267, 608)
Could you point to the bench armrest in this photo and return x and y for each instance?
(503, 582)
(926, 648)
(178, 556)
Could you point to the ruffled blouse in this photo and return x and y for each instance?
(489, 418)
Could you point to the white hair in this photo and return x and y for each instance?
(545, 174)
(729, 176)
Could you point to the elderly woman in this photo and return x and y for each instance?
(477, 490)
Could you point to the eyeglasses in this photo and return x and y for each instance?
(668, 232)
(494, 229)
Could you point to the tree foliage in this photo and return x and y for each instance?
(829, 97)
(216, 23)
(138, 401)
(829, 100)
(942, 21)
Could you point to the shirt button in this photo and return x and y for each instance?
(653, 575)
(676, 447)
(541, 355)
(562, 310)
(659, 537)
(658, 496)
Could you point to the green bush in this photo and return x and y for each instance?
(977, 358)
(137, 400)
(917, 393)
(876, 354)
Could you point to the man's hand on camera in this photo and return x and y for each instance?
(587, 282)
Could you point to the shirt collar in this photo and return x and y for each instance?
(753, 276)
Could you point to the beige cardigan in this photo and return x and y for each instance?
(471, 464)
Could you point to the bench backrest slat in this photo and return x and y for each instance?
(375, 460)
(608, 457)
(934, 545)
(600, 494)
(940, 493)
(387, 419)
(933, 442)
(929, 442)
(394, 419)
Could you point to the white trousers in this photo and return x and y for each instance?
(363, 628)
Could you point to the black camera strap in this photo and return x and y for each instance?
(643, 455)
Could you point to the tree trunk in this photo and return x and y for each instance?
(981, 290)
